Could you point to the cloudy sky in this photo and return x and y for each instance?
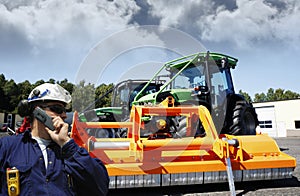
(75, 39)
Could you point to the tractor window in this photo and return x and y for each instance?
(190, 77)
(121, 97)
(124, 95)
(151, 88)
(219, 86)
(181, 82)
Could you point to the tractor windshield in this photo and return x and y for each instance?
(190, 77)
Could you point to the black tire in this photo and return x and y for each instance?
(181, 129)
(181, 125)
(197, 128)
(104, 133)
(123, 133)
(244, 119)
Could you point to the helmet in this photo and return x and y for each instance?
(49, 92)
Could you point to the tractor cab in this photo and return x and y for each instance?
(208, 83)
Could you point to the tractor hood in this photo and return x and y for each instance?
(103, 111)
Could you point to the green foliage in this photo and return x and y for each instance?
(3, 94)
(102, 98)
(67, 85)
(260, 97)
(11, 93)
(246, 95)
(37, 83)
(83, 96)
(276, 95)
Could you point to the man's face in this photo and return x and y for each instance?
(54, 109)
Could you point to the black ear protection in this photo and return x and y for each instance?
(24, 108)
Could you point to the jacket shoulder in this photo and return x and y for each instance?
(11, 141)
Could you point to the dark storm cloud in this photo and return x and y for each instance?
(143, 16)
(229, 4)
(280, 5)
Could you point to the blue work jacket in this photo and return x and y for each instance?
(70, 170)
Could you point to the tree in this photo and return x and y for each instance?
(12, 92)
(51, 80)
(260, 97)
(67, 85)
(279, 94)
(246, 95)
(24, 88)
(2, 80)
(276, 95)
(82, 96)
(3, 97)
(271, 95)
(37, 83)
(101, 91)
(291, 95)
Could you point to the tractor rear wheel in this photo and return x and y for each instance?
(104, 133)
(244, 119)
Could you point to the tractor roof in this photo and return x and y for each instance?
(202, 56)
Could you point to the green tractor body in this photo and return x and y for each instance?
(205, 79)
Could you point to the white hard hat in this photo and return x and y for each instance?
(49, 92)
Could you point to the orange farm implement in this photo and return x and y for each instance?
(153, 160)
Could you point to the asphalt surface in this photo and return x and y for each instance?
(289, 145)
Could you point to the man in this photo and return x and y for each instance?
(49, 162)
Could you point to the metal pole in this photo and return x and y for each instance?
(230, 177)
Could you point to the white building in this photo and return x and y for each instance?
(279, 118)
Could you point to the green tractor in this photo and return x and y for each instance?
(205, 79)
(123, 95)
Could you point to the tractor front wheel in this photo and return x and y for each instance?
(244, 119)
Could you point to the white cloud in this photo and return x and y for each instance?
(287, 25)
(75, 26)
(243, 26)
(180, 13)
(249, 23)
(64, 24)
